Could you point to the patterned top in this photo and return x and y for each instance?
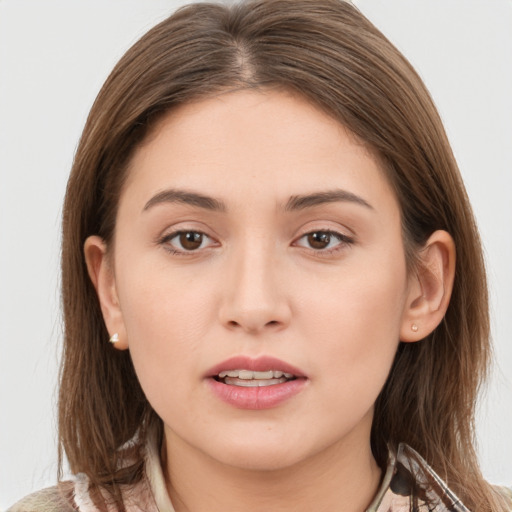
(409, 485)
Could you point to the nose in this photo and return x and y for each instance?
(254, 298)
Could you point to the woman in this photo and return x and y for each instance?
(264, 209)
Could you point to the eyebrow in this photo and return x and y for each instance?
(186, 197)
(329, 196)
(294, 203)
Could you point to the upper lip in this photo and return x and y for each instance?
(258, 364)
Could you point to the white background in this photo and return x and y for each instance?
(54, 56)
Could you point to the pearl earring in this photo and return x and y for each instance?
(114, 338)
(414, 328)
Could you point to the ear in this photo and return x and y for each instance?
(430, 288)
(103, 278)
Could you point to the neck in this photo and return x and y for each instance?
(345, 475)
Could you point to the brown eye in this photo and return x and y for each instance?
(182, 242)
(319, 239)
(190, 240)
(324, 242)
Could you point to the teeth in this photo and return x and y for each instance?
(250, 375)
(253, 383)
(246, 375)
(263, 375)
(232, 373)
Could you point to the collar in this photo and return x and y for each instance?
(409, 483)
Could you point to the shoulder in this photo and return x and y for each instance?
(75, 496)
(52, 499)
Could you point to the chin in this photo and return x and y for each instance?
(260, 452)
(261, 460)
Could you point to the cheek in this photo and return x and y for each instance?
(354, 322)
(159, 300)
(166, 316)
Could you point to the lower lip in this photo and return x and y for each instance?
(256, 398)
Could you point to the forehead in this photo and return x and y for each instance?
(246, 143)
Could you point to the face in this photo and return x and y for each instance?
(254, 233)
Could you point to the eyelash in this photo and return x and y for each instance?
(165, 242)
(343, 240)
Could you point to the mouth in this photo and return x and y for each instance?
(261, 383)
(253, 372)
(252, 379)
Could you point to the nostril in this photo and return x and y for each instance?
(253, 326)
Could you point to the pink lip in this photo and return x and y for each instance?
(260, 364)
(255, 398)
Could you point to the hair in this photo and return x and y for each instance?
(329, 53)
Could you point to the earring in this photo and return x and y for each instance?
(114, 338)
(414, 328)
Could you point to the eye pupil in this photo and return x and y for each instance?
(319, 239)
(191, 240)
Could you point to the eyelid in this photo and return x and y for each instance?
(345, 241)
(165, 239)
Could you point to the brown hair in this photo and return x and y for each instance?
(328, 52)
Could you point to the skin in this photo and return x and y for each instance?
(260, 284)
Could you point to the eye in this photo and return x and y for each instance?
(324, 240)
(186, 241)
